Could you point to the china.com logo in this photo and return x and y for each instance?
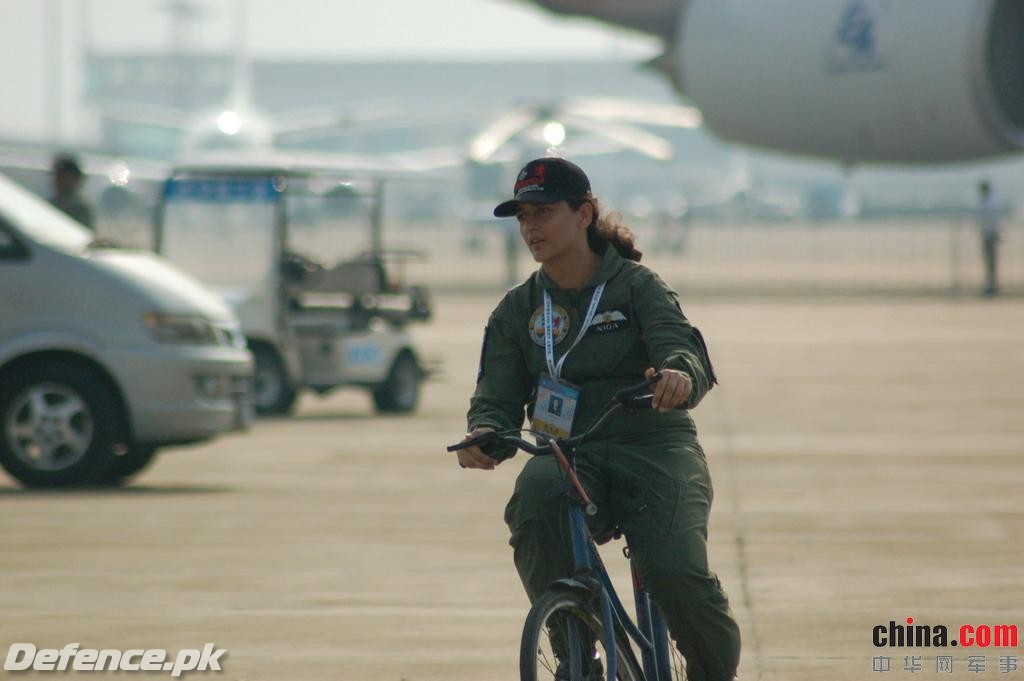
(911, 635)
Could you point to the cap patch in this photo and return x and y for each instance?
(530, 179)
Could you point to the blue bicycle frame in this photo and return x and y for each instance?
(649, 633)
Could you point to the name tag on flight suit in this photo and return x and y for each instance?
(555, 407)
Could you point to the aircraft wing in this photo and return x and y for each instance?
(418, 162)
(484, 146)
(629, 136)
(635, 112)
(119, 171)
(318, 122)
(142, 113)
(617, 121)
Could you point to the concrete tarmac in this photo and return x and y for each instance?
(868, 461)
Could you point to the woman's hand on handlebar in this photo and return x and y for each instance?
(673, 390)
(473, 457)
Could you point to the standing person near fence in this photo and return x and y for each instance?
(589, 322)
(68, 178)
(990, 229)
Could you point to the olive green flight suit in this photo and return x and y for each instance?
(645, 470)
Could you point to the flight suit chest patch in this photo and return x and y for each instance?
(608, 321)
(559, 325)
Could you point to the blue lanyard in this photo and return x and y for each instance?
(555, 370)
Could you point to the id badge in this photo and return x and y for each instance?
(555, 407)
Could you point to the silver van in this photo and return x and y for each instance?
(106, 354)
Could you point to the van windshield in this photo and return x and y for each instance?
(39, 221)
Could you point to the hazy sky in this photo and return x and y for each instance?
(32, 30)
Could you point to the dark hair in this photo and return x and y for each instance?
(66, 163)
(608, 229)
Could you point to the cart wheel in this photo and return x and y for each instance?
(272, 392)
(400, 393)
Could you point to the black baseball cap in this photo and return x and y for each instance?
(546, 180)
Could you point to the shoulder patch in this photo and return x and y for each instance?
(483, 354)
(707, 355)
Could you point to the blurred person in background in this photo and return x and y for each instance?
(990, 228)
(67, 187)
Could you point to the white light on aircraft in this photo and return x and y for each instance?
(554, 133)
(229, 123)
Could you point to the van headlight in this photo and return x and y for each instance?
(180, 329)
(230, 333)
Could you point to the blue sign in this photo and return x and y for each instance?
(363, 356)
(222, 190)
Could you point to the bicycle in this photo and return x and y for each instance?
(579, 626)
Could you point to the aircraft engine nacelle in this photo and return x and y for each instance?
(907, 81)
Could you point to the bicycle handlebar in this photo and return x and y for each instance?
(633, 397)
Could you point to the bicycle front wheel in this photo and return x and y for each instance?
(562, 640)
(671, 663)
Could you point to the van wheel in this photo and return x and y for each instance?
(59, 426)
(124, 466)
(400, 393)
(272, 392)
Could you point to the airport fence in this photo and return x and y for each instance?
(924, 257)
(909, 257)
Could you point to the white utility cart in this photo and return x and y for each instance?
(298, 253)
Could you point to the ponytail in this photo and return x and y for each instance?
(608, 229)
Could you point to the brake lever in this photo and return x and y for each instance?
(640, 401)
(626, 396)
(486, 441)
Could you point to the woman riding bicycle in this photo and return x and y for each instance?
(589, 322)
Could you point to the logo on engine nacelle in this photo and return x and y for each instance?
(855, 41)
